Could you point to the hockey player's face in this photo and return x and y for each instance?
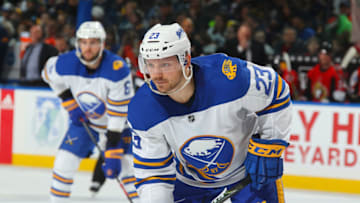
(89, 48)
(166, 73)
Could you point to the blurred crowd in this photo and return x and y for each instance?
(304, 40)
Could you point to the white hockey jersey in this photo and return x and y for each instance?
(204, 143)
(103, 95)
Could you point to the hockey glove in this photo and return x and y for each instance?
(76, 115)
(113, 154)
(263, 161)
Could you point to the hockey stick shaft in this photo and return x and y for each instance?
(93, 139)
(232, 191)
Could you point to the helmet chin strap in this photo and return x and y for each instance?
(187, 78)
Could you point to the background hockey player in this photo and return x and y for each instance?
(203, 124)
(95, 87)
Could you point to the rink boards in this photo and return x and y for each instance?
(324, 153)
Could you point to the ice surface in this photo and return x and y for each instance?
(31, 185)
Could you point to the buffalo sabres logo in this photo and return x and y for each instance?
(208, 155)
(117, 64)
(92, 105)
(228, 69)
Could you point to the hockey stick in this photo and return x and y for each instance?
(226, 194)
(101, 154)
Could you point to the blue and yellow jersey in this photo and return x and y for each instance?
(204, 143)
(102, 94)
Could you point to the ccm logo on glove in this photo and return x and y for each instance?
(114, 153)
(265, 150)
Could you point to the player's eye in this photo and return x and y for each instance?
(149, 65)
(165, 65)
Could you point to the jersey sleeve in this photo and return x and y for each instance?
(51, 76)
(120, 93)
(269, 97)
(154, 167)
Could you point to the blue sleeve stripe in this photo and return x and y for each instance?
(169, 179)
(276, 88)
(59, 193)
(283, 85)
(275, 107)
(118, 103)
(143, 166)
(133, 194)
(128, 180)
(62, 179)
(279, 101)
(116, 113)
(180, 168)
(280, 86)
(152, 163)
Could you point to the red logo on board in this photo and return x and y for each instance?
(6, 125)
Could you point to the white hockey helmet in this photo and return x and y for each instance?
(163, 41)
(87, 30)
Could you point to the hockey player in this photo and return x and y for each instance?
(202, 124)
(95, 87)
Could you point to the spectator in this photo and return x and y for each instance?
(50, 32)
(245, 48)
(4, 39)
(283, 67)
(289, 42)
(61, 44)
(268, 21)
(5, 20)
(188, 26)
(260, 37)
(324, 83)
(354, 86)
(354, 50)
(166, 12)
(69, 33)
(111, 42)
(129, 49)
(198, 15)
(35, 57)
(208, 46)
(216, 31)
(312, 47)
(304, 32)
(132, 19)
(344, 22)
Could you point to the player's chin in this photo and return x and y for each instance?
(89, 57)
(162, 88)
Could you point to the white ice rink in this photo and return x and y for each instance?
(31, 185)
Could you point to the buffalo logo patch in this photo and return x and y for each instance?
(229, 69)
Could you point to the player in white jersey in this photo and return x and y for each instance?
(95, 87)
(202, 124)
